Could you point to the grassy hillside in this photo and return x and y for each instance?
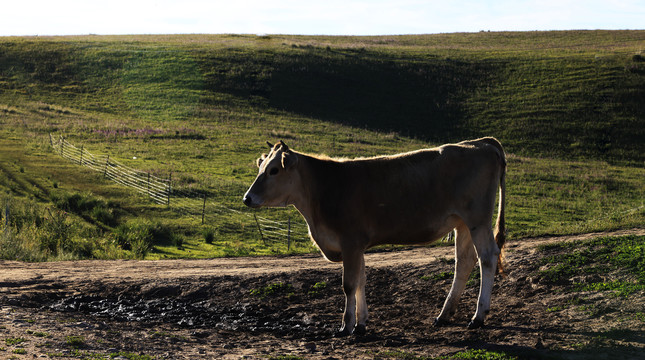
(568, 106)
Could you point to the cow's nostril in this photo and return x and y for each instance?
(248, 200)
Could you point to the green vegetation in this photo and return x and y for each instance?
(14, 341)
(130, 356)
(471, 354)
(75, 341)
(273, 289)
(286, 357)
(568, 106)
(41, 334)
(317, 288)
(598, 257)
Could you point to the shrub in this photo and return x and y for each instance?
(56, 232)
(86, 205)
(209, 235)
(75, 341)
(32, 232)
(104, 215)
(135, 235)
(20, 214)
(178, 241)
(139, 236)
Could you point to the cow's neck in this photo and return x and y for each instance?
(305, 196)
(307, 200)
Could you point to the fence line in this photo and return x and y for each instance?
(188, 202)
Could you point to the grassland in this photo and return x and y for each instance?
(568, 106)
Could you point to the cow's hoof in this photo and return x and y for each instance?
(343, 332)
(439, 322)
(476, 324)
(360, 330)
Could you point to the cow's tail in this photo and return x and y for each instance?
(500, 225)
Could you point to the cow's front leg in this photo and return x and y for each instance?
(355, 316)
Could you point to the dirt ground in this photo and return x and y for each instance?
(271, 307)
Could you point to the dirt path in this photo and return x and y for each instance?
(133, 270)
(251, 307)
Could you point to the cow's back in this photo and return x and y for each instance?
(409, 197)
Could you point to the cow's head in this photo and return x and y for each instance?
(276, 179)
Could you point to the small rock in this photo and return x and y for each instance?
(200, 334)
(310, 346)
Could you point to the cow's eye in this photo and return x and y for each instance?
(273, 171)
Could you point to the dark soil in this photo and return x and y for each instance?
(271, 307)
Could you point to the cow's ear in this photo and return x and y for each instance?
(270, 146)
(260, 160)
(289, 159)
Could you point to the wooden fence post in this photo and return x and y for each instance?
(204, 209)
(80, 161)
(6, 218)
(289, 234)
(169, 188)
(62, 144)
(259, 229)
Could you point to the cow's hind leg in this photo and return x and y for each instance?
(465, 258)
(354, 289)
(487, 252)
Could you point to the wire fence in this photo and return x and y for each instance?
(186, 201)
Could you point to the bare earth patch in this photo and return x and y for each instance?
(264, 307)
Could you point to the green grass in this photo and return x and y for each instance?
(130, 356)
(472, 354)
(14, 341)
(568, 107)
(273, 289)
(75, 341)
(598, 256)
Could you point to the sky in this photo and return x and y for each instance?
(319, 17)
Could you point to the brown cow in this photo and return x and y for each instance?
(410, 198)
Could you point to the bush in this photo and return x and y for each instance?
(86, 205)
(20, 214)
(178, 241)
(56, 232)
(104, 215)
(139, 236)
(33, 232)
(83, 248)
(209, 235)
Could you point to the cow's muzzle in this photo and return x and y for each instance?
(250, 201)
